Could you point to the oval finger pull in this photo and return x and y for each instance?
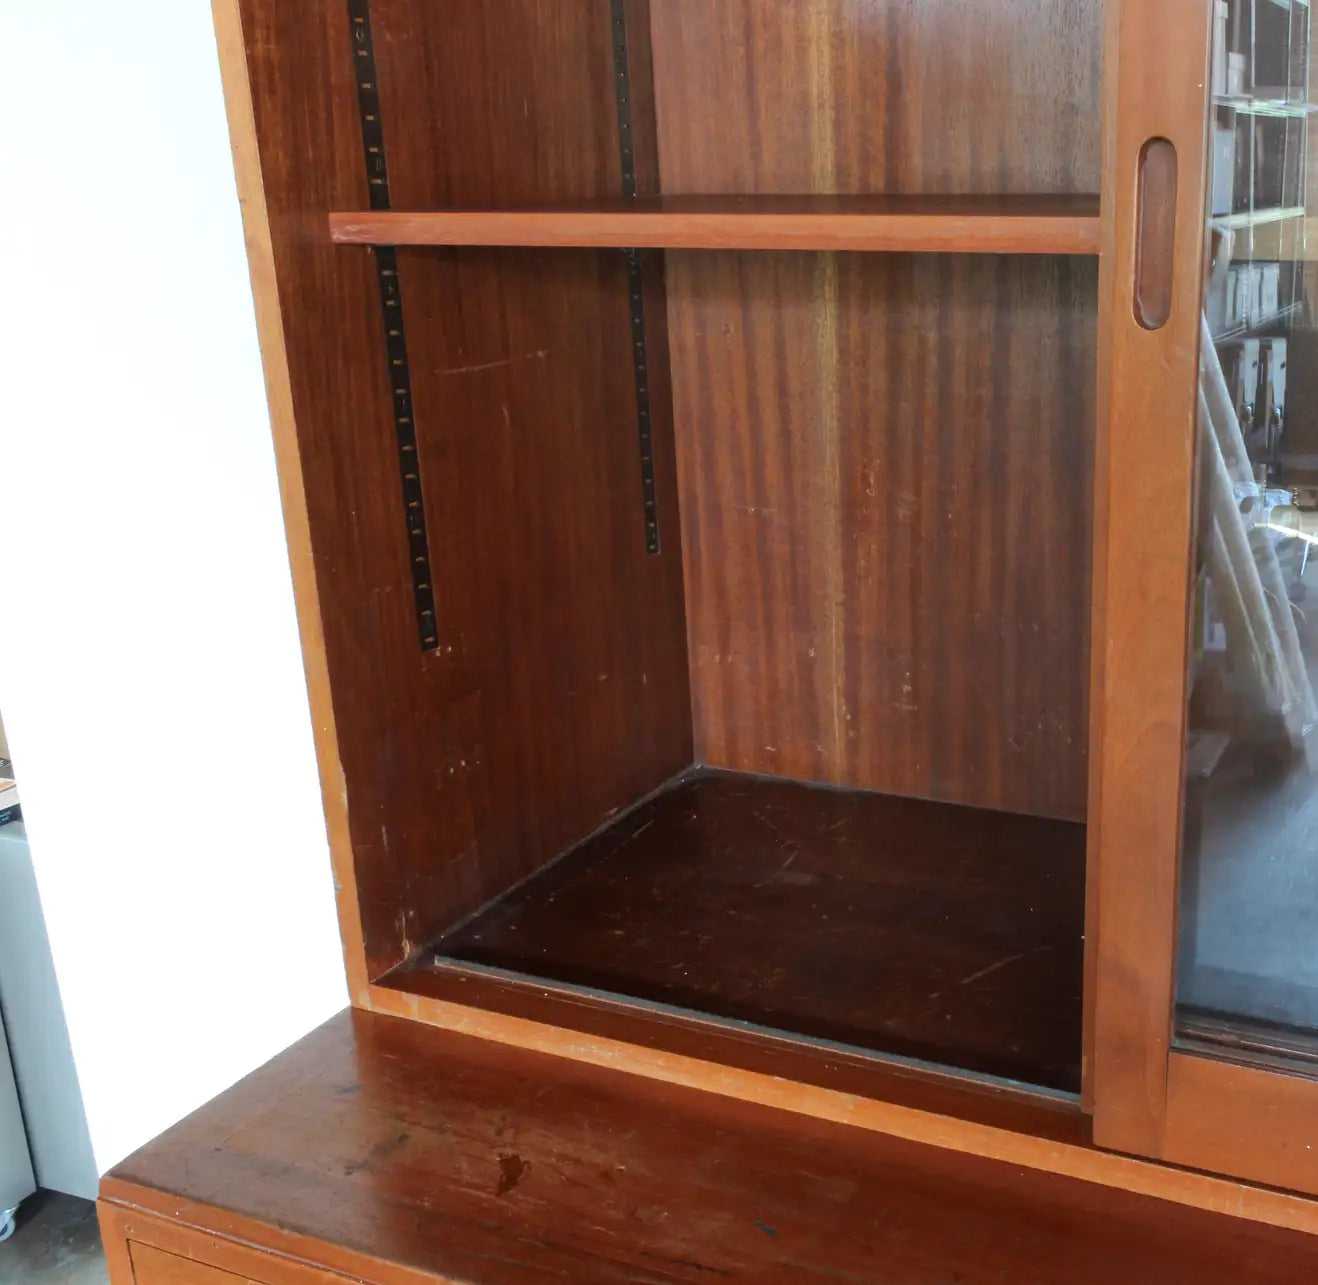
(1155, 233)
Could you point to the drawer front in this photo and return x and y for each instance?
(142, 1248)
(155, 1267)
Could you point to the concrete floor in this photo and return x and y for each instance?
(57, 1243)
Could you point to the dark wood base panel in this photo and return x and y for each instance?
(385, 1152)
(945, 934)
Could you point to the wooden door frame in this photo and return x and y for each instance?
(1156, 73)
(1149, 1098)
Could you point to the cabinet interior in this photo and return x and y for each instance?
(755, 687)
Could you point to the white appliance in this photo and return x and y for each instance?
(38, 1038)
(16, 1179)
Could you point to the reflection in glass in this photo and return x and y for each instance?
(1248, 964)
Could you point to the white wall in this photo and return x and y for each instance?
(149, 667)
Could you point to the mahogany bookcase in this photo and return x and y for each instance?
(743, 474)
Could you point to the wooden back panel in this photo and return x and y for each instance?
(885, 461)
(558, 692)
(983, 96)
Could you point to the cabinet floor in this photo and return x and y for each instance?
(952, 935)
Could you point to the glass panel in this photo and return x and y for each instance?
(1248, 965)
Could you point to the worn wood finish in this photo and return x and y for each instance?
(945, 934)
(310, 160)
(959, 224)
(646, 1039)
(569, 637)
(571, 695)
(389, 1153)
(451, 783)
(1159, 52)
(1014, 1130)
(885, 482)
(900, 450)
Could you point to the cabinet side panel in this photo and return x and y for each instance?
(307, 141)
(885, 482)
(564, 637)
(468, 764)
(568, 637)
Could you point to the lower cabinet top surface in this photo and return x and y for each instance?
(389, 1151)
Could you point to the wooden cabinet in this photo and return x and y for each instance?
(800, 515)
(688, 417)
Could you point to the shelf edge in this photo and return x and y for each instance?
(732, 230)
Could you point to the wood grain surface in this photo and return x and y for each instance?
(310, 160)
(569, 637)
(719, 1056)
(391, 1153)
(1256, 1122)
(885, 483)
(497, 102)
(899, 450)
(153, 1266)
(864, 96)
(987, 225)
(559, 692)
(942, 933)
(1142, 603)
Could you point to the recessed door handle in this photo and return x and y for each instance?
(1155, 233)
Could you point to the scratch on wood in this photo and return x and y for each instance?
(538, 355)
(991, 969)
(381, 1151)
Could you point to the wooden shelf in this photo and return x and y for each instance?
(946, 224)
(951, 935)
